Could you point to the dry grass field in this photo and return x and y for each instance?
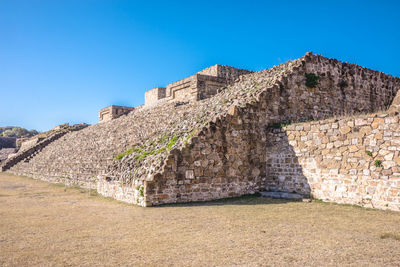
(43, 224)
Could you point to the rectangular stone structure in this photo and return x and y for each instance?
(113, 112)
(152, 96)
(201, 85)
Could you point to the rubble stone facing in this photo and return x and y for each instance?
(5, 152)
(204, 84)
(113, 112)
(8, 142)
(348, 160)
(216, 147)
(35, 144)
(152, 96)
(228, 156)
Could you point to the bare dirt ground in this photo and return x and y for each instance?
(43, 224)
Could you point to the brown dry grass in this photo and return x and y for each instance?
(42, 224)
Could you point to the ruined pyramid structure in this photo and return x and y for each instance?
(314, 126)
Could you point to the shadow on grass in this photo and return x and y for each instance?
(254, 199)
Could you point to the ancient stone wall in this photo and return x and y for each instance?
(79, 157)
(203, 84)
(5, 152)
(228, 73)
(208, 86)
(228, 158)
(113, 112)
(37, 144)
(352, 160)
(183, 90)
(7, 147)
(212, 148)
(152, 96)
(30, 142)
(7, 142)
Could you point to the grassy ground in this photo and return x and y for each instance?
(43, 224)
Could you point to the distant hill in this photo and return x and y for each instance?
(13, 131)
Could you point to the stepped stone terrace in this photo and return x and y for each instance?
(201, 85)
(313, 126)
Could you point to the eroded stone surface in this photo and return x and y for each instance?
(228, 145)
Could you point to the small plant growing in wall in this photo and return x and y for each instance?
(172, 142)
(343, 84)
(378, 163)
(279, 125)
(369, 153)
(312, 80)
(141, 191)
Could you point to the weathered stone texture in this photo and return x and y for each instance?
(201, 85)
(113, 112)
(8, 142)
(152, 96)
(31, 147)
(225, 145)
(5, 152)
(349, 160)
(227, 157)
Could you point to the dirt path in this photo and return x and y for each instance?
(43, 224)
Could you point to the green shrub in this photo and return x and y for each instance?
(172, 142)
(141, 191)
(378, 163)
(128, 152)
(279, 125)
(369, 153)
(311, 80)
(343, 84)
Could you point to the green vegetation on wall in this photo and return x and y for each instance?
(312, 80)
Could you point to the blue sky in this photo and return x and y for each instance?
(61, 61)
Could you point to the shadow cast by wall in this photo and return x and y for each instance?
(284, 172)
(246, 200)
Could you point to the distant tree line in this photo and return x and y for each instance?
(16, 132)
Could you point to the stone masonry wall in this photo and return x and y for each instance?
(228, 157)
(5, 152)
(113, 112)
(7, 142)
(208, 86)
(228, 73)
(38, 143)
(201, 85)
(152, 96)
(183, 90)
(212, 148)
(80, 157)
(347, 160)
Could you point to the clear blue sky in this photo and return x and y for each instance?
(63, 60)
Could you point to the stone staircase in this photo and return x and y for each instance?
(27, 153)
(216, 143)
(78, 157)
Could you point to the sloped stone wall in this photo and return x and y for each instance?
(5, 152)
(79, 157)
(152, 96)
(37, 143)
(228, 157)
(213, 148)
(348, 160)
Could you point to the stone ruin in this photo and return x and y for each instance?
(113, 112)
(313, 126)
(203, 84)
(8, 145)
